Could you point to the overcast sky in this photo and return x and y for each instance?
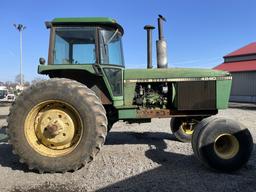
(199, 32)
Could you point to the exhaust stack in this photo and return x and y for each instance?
(149, 29)
(161, 45)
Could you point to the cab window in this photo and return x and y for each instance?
(74, 45)
(111, 47)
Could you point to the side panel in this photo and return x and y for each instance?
(129, 90)
(127, 114)
(223, 88)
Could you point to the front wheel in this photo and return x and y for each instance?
(222, 144)
(57, 125)
(183, 127)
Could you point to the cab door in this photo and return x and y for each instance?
(111, 62)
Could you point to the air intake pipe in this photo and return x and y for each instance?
(149, 29)
(161, 45)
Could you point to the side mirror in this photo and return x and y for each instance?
(41, 61)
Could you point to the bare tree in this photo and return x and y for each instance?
(18, 78)
(26, 83)
(37, 79)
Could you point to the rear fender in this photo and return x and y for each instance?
(84, 74)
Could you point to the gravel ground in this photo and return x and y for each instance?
(143, 157)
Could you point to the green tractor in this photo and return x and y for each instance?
(60, 124)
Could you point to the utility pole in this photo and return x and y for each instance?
(20, 28)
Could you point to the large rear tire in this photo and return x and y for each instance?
(222, 144)
(57, 125)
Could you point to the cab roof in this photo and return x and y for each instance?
(85, 21)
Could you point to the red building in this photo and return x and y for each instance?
(242, 65)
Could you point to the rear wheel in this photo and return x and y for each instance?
(183, 127)
(57, 125)
(222, 144)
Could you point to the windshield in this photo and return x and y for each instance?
(3, 94)
(74, 45)
(111, 47)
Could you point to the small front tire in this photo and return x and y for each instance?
(222, 144)
(183, 128)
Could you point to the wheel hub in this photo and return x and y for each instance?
(51, 131)
(187, 128)
(55, 128)
(226, 146)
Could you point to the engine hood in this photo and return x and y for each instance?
(172, 73)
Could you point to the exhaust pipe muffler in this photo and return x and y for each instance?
(149, 29)
(161, 45)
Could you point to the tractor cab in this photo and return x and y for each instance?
(85, 41)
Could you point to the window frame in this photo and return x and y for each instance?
(97, 44)
(121, 48)
(52, 43)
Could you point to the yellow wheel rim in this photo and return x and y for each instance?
(187, 128)
(226, 146)
(53, 128)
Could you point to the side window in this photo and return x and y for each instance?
(115, 80)
(75, 45)
(62, 53)
(83, 53)
(115, 48)
(111, 47)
